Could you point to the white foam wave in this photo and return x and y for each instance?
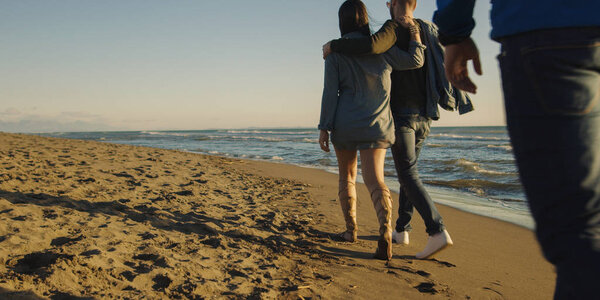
(310, 140)
(165, 133)
(258, 138)
(436, 145)
(468, 137)
(476, 167)
(505, 147)
(271, 132)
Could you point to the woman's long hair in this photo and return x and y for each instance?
(354, 17)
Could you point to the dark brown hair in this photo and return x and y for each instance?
(354, 17)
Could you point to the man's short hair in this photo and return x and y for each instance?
(412, 3)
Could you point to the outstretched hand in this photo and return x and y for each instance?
(324, 140)
(456, 58)
(326, 50)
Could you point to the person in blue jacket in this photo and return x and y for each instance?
(550, 64)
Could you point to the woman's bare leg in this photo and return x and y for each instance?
(372, 165)
(347, 162)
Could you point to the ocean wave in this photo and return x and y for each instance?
(271, 132)
(473, 184)
(312, 141)
(484, 131)
(513, 200)
(389, 173)
(165, 133)
(322, 162)
(435, 145)
(276, 158)
(505, 147)
(474, 167)
(468, 137)
(204, 138)
(255, 138)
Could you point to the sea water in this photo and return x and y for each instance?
(470, 168)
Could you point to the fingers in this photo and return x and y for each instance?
(462, 81)
(458, 75)
(456, 58)
(477, 64)
(324, 141)
(406, 21)
(324, 146)
(465, 84)
(326, 50)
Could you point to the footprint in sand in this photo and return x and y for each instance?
(130, 276)
(90, 253)
(184, 193)
(427, 288)
(214, 242)
(161, 282)
(158, 260)
(147, 235)
(140, 268)
(61, 241)
(19, 218)
(39, 262)
(86, 180)
(123, 175)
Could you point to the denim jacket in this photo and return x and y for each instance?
(439, 90)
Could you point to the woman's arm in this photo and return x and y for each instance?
(415, 57)
(401, 60)
(330, 99)
(378, 43)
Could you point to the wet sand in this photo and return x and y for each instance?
(98, 220)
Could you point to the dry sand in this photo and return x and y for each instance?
(97, 220)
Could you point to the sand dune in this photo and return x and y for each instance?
(97, 220)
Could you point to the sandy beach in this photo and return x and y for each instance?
(100, 221)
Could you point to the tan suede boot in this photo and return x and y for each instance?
(347, 197)
(382, 201)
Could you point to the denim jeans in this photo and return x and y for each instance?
(551, 82)
(411, 132)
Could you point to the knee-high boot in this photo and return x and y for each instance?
(382, 201)
(347, 197)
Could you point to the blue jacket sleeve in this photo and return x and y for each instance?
(454, 19)
(330, 98)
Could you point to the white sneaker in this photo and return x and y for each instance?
(435, 244)
(400, 237)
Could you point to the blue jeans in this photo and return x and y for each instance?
(411, 132)
(551, 82)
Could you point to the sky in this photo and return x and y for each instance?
(82, 65)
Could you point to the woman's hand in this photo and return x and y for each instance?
(326, 50)
(324, 140)
(412, 26)
(406, 21)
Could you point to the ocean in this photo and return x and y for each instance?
(469, 168)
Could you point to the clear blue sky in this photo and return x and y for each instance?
(155, 64)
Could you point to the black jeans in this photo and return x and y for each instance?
(551, 82)
(411, 132)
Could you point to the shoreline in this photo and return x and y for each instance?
(474, 198)
(95, 219)
(442, 196)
